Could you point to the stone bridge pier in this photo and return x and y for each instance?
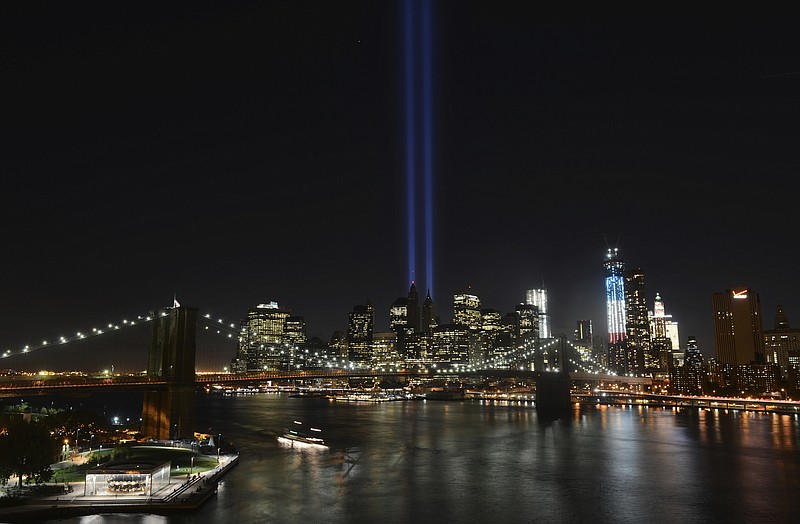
(169, 412)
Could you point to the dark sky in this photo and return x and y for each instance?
(248, 152)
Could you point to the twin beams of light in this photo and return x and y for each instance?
(419, 85)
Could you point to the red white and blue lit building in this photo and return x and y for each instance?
(615, 296)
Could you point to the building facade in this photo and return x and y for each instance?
(359, 333)
(738, 332)
(538, 298)
(467, 309)
(637, 325)
(615, 296)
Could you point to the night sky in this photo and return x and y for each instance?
(248, 152)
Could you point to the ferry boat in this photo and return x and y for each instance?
(297, 439)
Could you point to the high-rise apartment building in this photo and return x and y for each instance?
(738, 332)
(359, 333)
(538, 298)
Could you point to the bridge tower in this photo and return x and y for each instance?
(553, 398)
(170, 412)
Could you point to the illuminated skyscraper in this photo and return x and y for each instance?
(782, 343)
(664, 336)
(359, 333)
(738, 332)
(538, 298)
(615, 296)
(693, 355)
(398, 314)
(467, 309)
(262, 337)
(404, 312)
(295, 331)
(637, 326)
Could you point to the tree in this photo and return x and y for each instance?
(27, 449)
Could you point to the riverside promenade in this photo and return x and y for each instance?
(181, 494)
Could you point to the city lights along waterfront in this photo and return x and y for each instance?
(471, 461)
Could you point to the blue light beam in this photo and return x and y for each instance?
(410, 137)
(427, 133)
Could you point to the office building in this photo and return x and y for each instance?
(637, 325)
(782, 343)
(262, 337)
(538, 298)
(615, 296)
(359, 333)
(429, 320)
(467, 309)
(738, 332)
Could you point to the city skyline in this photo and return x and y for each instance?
(239, 154)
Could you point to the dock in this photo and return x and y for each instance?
(188, 495)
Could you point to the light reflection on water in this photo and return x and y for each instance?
(478, 460)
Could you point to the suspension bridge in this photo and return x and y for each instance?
(170, 380)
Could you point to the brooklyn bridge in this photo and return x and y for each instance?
(171, 379)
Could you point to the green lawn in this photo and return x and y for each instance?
(182, 458)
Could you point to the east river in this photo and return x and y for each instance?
(479, 461)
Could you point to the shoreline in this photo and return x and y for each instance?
(190, 495)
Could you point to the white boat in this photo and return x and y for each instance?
(297, 439)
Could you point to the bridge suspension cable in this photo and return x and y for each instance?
(218, 325)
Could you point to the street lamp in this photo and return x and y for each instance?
(191, 468)
(77, 441)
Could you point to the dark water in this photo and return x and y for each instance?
(481, 462)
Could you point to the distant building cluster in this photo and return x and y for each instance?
(642, 339)
(645, 341)
(271, 338)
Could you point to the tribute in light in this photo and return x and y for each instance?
(419, 85)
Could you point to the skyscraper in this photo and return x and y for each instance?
(782, 344)
(262, 336)
(664, 336)
(693, 355)
(637, 325)
(538, 298)
(413, 308)
(738, 332)
(467, 309)
(428, 314)
(398, 314)
(359, 333)
(583, 338)
(615, 296)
